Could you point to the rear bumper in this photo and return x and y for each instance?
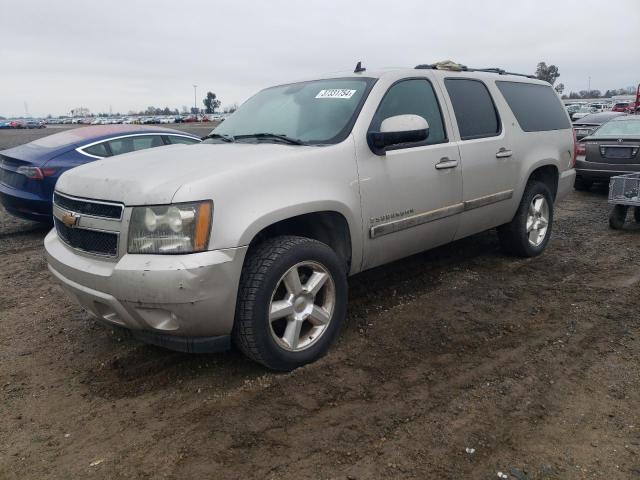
(25, 205)
(565, 183)
(603, 171)
(182, 302)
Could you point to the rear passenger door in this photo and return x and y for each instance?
(489, 171)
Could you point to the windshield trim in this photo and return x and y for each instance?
(348, 127)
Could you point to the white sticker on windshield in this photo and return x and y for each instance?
(336, 93)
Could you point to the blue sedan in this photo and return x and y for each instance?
(28, 173)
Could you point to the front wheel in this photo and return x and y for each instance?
(528, 233)
(291, 303)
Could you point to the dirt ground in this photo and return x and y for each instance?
(458, 363)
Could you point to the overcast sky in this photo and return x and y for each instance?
(127, 55)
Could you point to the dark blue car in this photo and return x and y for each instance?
(28, 173)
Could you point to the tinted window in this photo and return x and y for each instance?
(131, 144)
(99, 150)
(474, 109)
(412, 97)
(536, 107)
(187, 140)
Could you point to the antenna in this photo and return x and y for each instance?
(359, 68)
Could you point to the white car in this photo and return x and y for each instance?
(250, 236)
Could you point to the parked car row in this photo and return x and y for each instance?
(137, 119)
(28, 123)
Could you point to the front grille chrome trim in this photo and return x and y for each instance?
(88, 201)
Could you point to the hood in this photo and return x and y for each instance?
(153, 176)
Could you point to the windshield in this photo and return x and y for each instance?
(620, 128)
(315, 112)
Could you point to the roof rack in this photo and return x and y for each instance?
(463, 68)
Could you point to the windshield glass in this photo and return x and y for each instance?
(620, 128)
(315, 112)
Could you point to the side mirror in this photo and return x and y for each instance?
(397, 130)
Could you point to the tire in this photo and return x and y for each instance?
(582, 184)
(618, 216)
(514, 236)
(264, 280)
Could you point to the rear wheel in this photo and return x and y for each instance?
(618, 216)
(636, 214)
(528, 233)
(582, 184)
(291, 303)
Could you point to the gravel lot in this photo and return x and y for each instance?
(531, 365)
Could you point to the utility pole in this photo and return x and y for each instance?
(195, 101)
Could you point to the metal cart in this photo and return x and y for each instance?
(624, 192)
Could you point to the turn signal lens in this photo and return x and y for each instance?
(203, 227)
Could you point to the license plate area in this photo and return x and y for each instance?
(617, 152)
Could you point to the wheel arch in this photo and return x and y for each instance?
(546, 173)
(327, 225)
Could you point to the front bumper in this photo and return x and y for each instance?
(565, 183)
(168, 300)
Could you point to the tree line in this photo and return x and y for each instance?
(550, 73)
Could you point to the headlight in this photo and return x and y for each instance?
(177, 228)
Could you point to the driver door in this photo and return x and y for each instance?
(411, 193)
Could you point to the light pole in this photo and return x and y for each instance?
(195, 102)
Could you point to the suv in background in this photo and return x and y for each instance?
(251, 235)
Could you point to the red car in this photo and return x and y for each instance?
(626, 107)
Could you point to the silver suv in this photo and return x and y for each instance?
(250, 236)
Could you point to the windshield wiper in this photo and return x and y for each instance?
(276, 136)
(222, 136)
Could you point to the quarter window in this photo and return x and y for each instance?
(415, 96)
(473, 106)
(536, 107)
(99, 150)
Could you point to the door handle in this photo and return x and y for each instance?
(503, 153)
(446, 163)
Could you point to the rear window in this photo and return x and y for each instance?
(620, 128)
(473, 106)
(536, 107)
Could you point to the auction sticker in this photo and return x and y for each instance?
(336, 93)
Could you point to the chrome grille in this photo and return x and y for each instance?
(86, 207)
(90, 241)
(92, 226)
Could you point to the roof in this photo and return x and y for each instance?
(94, 133)
(398, 72)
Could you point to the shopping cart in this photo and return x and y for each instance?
(624, 192)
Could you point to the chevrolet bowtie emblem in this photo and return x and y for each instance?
(70, 219)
